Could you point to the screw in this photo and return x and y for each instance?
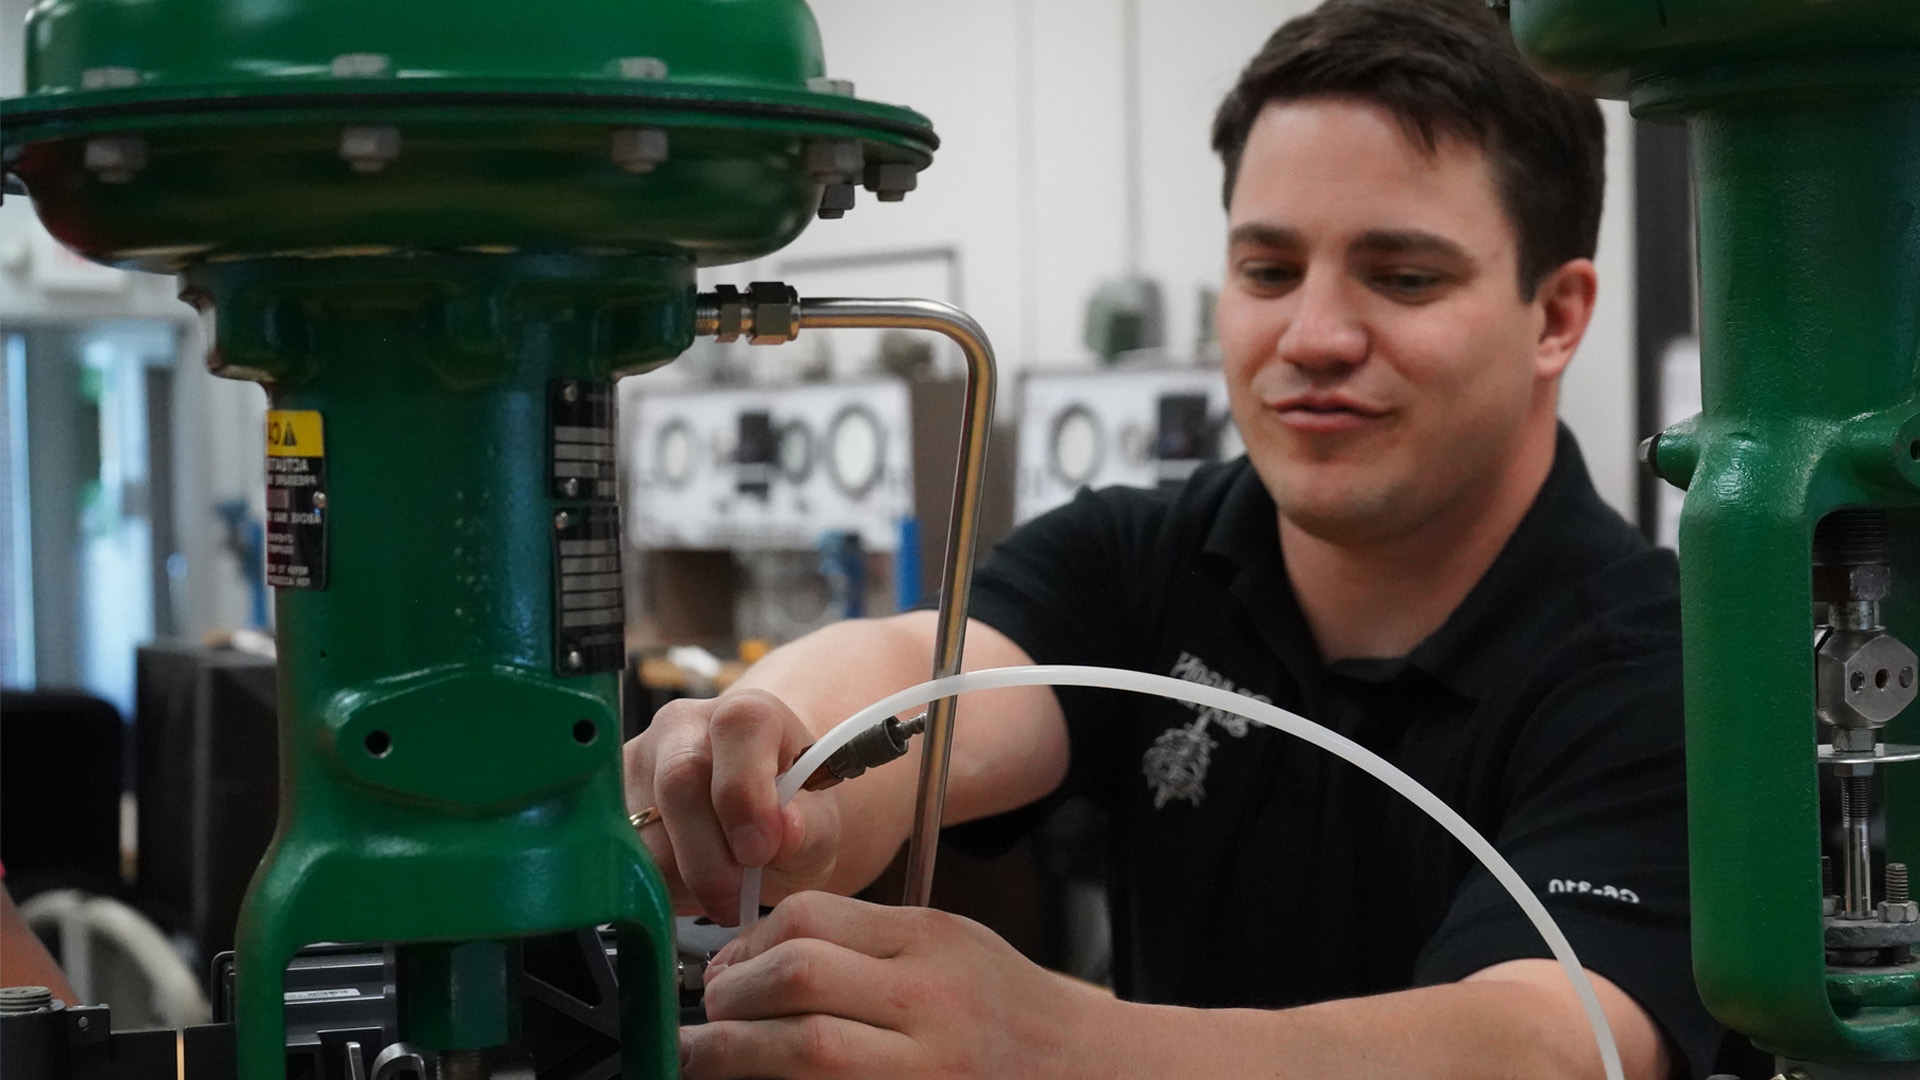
(569, 392)
(369, 149)
(576, 661)
(114, 159)
(563, 520)
(83, 1023)
(360, 65)
(570, 487)
(639, 150)
(319, 500)
(642, 67)
(16, 1000)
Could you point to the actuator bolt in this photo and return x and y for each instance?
(369, 149)
(835, 201)
(115, 158)
(360, 65)
(639, 150)
(891, 180)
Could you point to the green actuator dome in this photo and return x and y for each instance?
(162, 133)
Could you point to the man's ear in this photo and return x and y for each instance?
(1565, 300)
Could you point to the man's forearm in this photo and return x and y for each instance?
(1490, 1030)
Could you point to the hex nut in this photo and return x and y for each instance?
(1906, 912)
(109, 78)
(115, 158)
(639, 150)
(1863, 678)
(776, 313)
(642, 67)
(369, 149)
(836, 200)
(892, 180)
(360, 65)
(832, 161)
(826, 84)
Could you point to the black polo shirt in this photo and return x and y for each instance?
(1254, 870)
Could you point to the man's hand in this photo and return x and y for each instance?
(709, 767)
(830, 987)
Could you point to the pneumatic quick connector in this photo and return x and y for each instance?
(1864, 677)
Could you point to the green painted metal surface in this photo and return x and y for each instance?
(1806, 140)
(410, 303)
(486, 811)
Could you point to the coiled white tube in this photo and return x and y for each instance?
(1226, 701)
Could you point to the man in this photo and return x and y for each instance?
(1411, 553)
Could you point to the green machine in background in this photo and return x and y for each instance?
(1803, 477)
(437, 232)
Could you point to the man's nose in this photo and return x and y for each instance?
(1324, 334)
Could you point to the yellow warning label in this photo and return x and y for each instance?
(294, 434)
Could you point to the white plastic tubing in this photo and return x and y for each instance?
(1226, 701)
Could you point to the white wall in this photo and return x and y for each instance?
(1029, 182)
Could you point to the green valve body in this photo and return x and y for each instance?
(1806, 140)
(437, 233)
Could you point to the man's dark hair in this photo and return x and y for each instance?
(1443, 68)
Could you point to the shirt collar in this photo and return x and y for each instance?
(1565, 533)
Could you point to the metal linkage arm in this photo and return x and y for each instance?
(768, 313)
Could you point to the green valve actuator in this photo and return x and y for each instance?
(1805, 123)
(436, 233)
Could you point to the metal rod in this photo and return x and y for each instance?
(1857, 879)
(976, 422)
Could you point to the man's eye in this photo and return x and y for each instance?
(1269, 275)
(1408, 282)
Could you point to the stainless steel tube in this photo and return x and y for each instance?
(1857, 881)
(976, 422)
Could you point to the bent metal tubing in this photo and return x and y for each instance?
(962, 529)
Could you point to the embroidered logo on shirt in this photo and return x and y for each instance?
(1176, 764)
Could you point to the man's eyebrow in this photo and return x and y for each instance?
(1255, 234)
(1408, 242)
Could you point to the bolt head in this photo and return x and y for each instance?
(115, 158)
(570, 392)
(836, 161)
(576, 661)
(563, 520)
(642, 67)
(319, 500)
(836, 200)
(824, 84)
(360, 65)
(570, 486)
(108, 78)
(639, 150)
(369, 149)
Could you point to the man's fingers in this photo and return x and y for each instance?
(872, 929)
(793, 1048)
(807, 975)
(749, 735)
(699, 848)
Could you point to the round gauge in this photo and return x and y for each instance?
(673, 454)
(796, 452)
(1078, 447)
(856, 449)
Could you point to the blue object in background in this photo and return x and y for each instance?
(844, 563)
(906, 566)
(246, 541)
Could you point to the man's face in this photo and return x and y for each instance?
(1380, 359)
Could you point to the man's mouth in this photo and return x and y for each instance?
(1326, 412)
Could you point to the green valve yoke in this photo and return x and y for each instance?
(1806, 139)
(437, 232)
